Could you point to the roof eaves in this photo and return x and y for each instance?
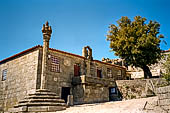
(18, 54)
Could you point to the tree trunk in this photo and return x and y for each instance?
(147, 73)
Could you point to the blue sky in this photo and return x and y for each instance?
(75, 23)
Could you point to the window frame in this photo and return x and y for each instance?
(4, 74)
(55, 64)
(99, 73)
(109, 73)
(119, 74)
(76, 70)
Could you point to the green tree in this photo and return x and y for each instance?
(136, 42)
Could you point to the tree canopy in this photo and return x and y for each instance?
(136, 42)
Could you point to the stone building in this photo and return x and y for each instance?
(156, 69)
(45, 79)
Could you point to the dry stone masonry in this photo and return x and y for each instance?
(162, 104)
(139, 88)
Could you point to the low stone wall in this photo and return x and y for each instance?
(139, 88)
(164, 97)
(130, 89)
(162, 104)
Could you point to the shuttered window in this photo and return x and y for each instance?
(99, 73)
(76, 70)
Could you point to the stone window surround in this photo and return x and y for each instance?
(55, 64)
(119, 74)
(109, 73)
(4, 74)
(77, 69)
(99, 72)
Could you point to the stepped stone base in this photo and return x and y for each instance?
(40, 101)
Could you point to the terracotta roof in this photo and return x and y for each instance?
(164, 51)
(39, 46)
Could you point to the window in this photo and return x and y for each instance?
(112, 90)
(99, 73)
(4, 74)
(55, 64)
(76, 70)
(109, 72)
(119, 74)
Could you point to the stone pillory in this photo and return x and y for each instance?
(46, 30)
(43, 79)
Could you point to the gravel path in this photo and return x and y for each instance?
(128, 106)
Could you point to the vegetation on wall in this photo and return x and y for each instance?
(136, 42)
(167, 68)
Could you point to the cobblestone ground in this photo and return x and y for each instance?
(128, 106)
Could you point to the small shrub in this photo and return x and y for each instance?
(127, 87)
(166, 75)
(133, 96)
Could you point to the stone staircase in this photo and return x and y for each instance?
(150, 88)
(40, 101)
(162, 102)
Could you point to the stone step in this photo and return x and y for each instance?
(41, 104)
(43, 93)
(43, 90)
(42, 96)
(47, 100)
(42, 100)
(36, 109)
(45, 108)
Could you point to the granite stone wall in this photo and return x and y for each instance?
(21, 79)
(139, 88)
(164, 98)
(63, 78)
(162, 103)
(1, 98)
(91, 89)
(131, 89)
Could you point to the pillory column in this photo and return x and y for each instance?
(46, 30)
